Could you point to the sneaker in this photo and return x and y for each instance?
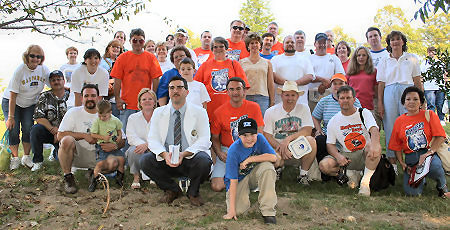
(303, 180)
(14, 164)
(442, 191)
(184, 183)
(119, 178)
(279, 172)
(69, 184)
(93, 182)
(36, 166)
(26, 161)
(270, 220)
(395, 169)
(364, 190)
(354, 177)
(443, 123)
(51, 156)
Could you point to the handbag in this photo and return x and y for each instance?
(5, 152)
(444, 150)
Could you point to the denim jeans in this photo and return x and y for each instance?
(40, 136)
(115, 110)
(124, 114)
(436, 173)
(263, 101)
(435, 101)
(393, 108)
(23, 118)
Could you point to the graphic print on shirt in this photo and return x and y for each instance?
(88, 125)
(286, 127)
(219, 79)
(416, 136)
(233, 54)
(250, 166)
(354, 139)
(234, 127)
(202, 58)
(33, 80)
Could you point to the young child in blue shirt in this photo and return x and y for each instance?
(249, 165)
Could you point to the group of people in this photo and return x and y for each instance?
(227, 111)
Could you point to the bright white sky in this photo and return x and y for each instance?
(354, 16)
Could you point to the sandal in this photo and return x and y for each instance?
(136, 185)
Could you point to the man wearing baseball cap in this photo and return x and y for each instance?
(285, 122)
(249, 165)
(181, 38)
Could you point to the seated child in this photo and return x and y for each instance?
(107, 128)
(249, 166)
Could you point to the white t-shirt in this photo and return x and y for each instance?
(402, 71)
(349, 131)
(67, 70)
(28, 84)
(78, 120)
(378, 55)
(305, 53)
(325, 66)
(81, 76)
(167, 65)
(197, 93)
(428, 85)
(292, 68)
(137, 129)
(281, 124)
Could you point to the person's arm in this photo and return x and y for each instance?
(155, 83)
(375, 148)
(308, 78)
(43, 121)
(272, 141)
(217, 149)
(399, 156)
(77, 99)
(78, 136)
(100, 137)
(317, 126)
(333, 151)
(278, 79)
(204, 104)
(231, 212)
(12, 109)
(266, 157)
(270, 86)
(117, 86)
(380, 99)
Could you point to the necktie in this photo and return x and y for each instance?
(177, 129)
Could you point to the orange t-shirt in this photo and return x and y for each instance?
(237, 50)
(136, 72)
(330, 50)
(214, 75)
(277, 48)
(203, 55)
(411, 133)
(227, 119)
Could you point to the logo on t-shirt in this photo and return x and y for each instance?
(286, 127)
(354, 139)
(234, 127)
(234, 54)
(416, 137)
(219, 80)
(202, 58)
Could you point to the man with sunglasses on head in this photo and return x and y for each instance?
(181, 38)
(132, 71)
(236, 49)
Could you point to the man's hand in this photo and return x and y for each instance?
(108, 146)
(119, 103)
(244, 164)
(89, 138)
(342, 161)
(284, 151)
(319, 132)
(380, 109)
(321, 89)
(54, 130)
(10, 123)
(142, 148)
(168, 155)
(222, 156)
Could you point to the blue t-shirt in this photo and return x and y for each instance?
(237, 153)
(268, 57)
(163, 86)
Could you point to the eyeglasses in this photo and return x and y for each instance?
(141, 41)
(238, 28)
(35, 56)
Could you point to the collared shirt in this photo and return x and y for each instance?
(51, 107)
(170, 133)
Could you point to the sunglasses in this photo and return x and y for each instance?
(134, 40)
(238, 28)
(35, 56)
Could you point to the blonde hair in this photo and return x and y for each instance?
(27, 52)
(142, 92)
(353, 66)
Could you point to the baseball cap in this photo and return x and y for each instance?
(320, 36)
(339, 76)
(56, 73)
(181, 31)
(247, 125)
(290, 86)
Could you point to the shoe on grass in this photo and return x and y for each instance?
(270, 220)
(119, 178)
(14, 164)
(303, 179)
(69, 184)
(36, 166)
(26, 161)
(93, 181)
(364, 190)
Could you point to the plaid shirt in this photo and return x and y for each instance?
(51, 108)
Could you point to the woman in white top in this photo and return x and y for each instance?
(138, 127)
(161, 55)
(19, 101)
(112, 51)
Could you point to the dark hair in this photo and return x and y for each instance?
(372, 29)
(252, 37)
(299, 32)
(392, 35)
(188, 60)
(179, 48)
(268, 35)
(413, 89)
(206, 31)
(237, 20)
(124, 36)
(346, 88)
(104, 106)
(219, 40)
(238, 79)
(169, 35)
(349, 50)
(91, 53)
(178, 78)
(137, 32)
(90, 86)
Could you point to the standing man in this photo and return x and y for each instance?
(267, 43)
(224, 129)
(236, 46)
(204, 52)
(373, 36)
(186, 125)
(132, 71)
(330, 41)
(300, 40)
(121, 38)
(277, 47)
(357, 149)
(181, 38)
(325, 66)
(291, 67)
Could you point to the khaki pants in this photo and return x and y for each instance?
(264, 177)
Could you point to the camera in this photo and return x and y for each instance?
(342, 177)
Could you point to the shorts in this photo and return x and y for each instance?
(219, 166)
(358, 159)
(82, 157)
(102, 155)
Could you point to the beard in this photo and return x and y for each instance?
(89, 104)
(289, 51)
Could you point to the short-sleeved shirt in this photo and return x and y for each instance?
(51, 107)
(277, 48)
(28, 84)
(237, 50)
(203, 55)
(326, 108)
(350, 131)
(197, 93)
(363, 84)
(378, 55)
(227, 119)
(281, 124)
(237, 153)
(136, 72)
(401, 71)
(81, 76)
(163, 86)
(214, 75)
(107, 128)
(325, 66)
(67, 70)
(411, 133)
(78, 120)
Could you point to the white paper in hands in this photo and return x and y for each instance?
(299, 147)
(175, 150)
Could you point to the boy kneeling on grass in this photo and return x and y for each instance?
(249, 165)
(107, 128)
